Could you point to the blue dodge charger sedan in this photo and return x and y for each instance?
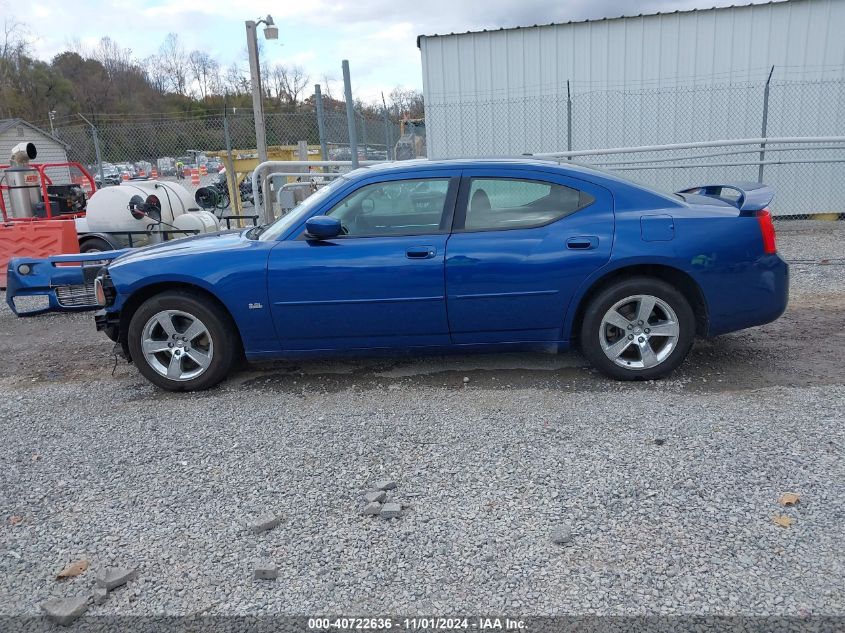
(455, 255)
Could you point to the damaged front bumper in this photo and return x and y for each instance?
(62, 283)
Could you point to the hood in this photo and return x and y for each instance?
(196, 244)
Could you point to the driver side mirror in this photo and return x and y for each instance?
(322, 227)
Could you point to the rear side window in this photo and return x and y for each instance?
(507, 203)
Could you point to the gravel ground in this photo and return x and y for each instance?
(669, 488)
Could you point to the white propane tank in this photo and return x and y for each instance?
(108, 209)
(202, 221)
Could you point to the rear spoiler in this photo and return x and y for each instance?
(751, 196)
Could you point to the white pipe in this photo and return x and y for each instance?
(753, 162)
(256, 175)
(662, 148)
(755, 150)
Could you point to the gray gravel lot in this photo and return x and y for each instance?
(669, 488)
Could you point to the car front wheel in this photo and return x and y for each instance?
(639, 328)
(181, 342)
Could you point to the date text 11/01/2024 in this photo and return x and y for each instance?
(416, 624)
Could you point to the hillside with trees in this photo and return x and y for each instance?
(109, 80)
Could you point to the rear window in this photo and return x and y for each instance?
(503, 203)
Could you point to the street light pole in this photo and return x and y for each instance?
(257, 101)
(271, 32)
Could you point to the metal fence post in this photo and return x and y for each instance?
(765, 124)
(96, 140)
(350, 115)
(387, 138)
(364, 134)
(568, 118)
(321, 124)
(231, 176)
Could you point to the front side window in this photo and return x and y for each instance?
(397, 207)
(505, 203)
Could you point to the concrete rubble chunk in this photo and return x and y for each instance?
(391, 510)
(561, 535)
(264, 523)
(113, 578)
(375, 495)
(385, 484)
(266, 571)
(372, 509)
(64, 611)
(100, 595)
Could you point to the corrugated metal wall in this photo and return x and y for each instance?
(655, 79)
(803, 39)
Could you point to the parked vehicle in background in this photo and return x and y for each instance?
(126, 168)
(166, 166)
(144, 167)
(213, 165)
(111, 175)
(456, 255)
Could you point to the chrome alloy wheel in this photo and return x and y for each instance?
(639, 332)
(177, 345)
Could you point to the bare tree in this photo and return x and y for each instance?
(235, 81)
(14, 41)
(204, 72)
(172, 62)
(14, 48)
(407, 102)
(290, 83)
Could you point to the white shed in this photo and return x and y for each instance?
(50, 149)
(14, 131)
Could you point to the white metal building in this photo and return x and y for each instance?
(651, 79)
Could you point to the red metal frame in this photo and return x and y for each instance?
(45, 182)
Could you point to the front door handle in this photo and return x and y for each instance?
(420, 252)
(582, 243)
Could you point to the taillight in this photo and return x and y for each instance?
(767, 230)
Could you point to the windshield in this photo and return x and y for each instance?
(274, 230)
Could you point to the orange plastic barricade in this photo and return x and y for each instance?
(38, 238)
(126, 175)
(195, 177)
(203, 170)
(154, 173)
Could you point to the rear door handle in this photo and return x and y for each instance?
(420, 252)
(582, 243)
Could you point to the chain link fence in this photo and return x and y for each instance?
(133, 145)
(808, 180)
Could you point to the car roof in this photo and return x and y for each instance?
(597, 176)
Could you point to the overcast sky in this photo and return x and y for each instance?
(378, 37)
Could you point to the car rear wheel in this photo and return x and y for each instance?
(181, 342)
(640, 328)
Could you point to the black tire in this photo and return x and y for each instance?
(94, 245)
(593, 332)
(220, 330)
